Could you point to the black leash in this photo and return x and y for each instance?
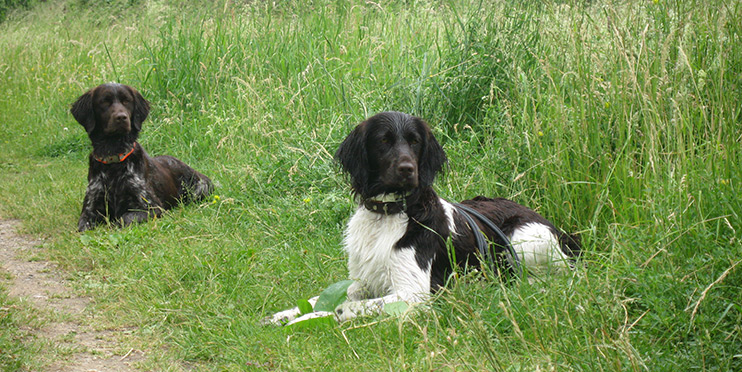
(484, 247)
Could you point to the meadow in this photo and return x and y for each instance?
(617, 120)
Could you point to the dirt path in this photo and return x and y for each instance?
(67, 320)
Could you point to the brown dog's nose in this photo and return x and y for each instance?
(121, 116)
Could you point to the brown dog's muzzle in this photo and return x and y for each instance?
(119, 122)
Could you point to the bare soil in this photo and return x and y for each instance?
(79, 341)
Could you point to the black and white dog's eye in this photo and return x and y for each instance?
(412, 139)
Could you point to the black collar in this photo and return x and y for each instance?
(386, 203)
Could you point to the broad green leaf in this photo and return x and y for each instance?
(328, 319)
(396, 308)
(333, 296)
(304, 306)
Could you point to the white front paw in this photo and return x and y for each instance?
(282, 317)
(352, 309)
(347, 311)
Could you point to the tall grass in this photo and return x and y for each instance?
(616, 120)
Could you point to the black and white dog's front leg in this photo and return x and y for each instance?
(408, 282)
(287, 316)
(375, 306)
(402, 279)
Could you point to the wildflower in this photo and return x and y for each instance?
(540, 133)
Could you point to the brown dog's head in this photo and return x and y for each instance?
(111, 110)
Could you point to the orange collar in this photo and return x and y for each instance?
(115, 158)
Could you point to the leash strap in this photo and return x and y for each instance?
(484, 247)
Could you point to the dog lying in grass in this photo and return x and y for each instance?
(125, 184)
(397, 239)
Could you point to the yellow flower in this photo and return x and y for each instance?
(307, 200)
(540, 133)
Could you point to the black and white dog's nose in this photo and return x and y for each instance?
(406, 169)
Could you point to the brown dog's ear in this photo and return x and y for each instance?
(141, 109)
(82, 110)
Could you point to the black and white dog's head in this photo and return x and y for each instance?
(390, 152)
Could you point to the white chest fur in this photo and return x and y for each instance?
(375, 264)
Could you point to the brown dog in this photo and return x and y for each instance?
(125, 184)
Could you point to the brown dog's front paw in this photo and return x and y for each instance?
(134, 217)
(84, 225)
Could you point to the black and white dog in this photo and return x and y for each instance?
(397, 239)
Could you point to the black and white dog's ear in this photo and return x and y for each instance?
(82, 110)
(141, 109)
(432, 159)
(353, 158)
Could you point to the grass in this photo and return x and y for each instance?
(616, 120)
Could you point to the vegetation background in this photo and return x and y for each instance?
(618, 120)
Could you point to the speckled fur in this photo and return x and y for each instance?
(139, 187)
